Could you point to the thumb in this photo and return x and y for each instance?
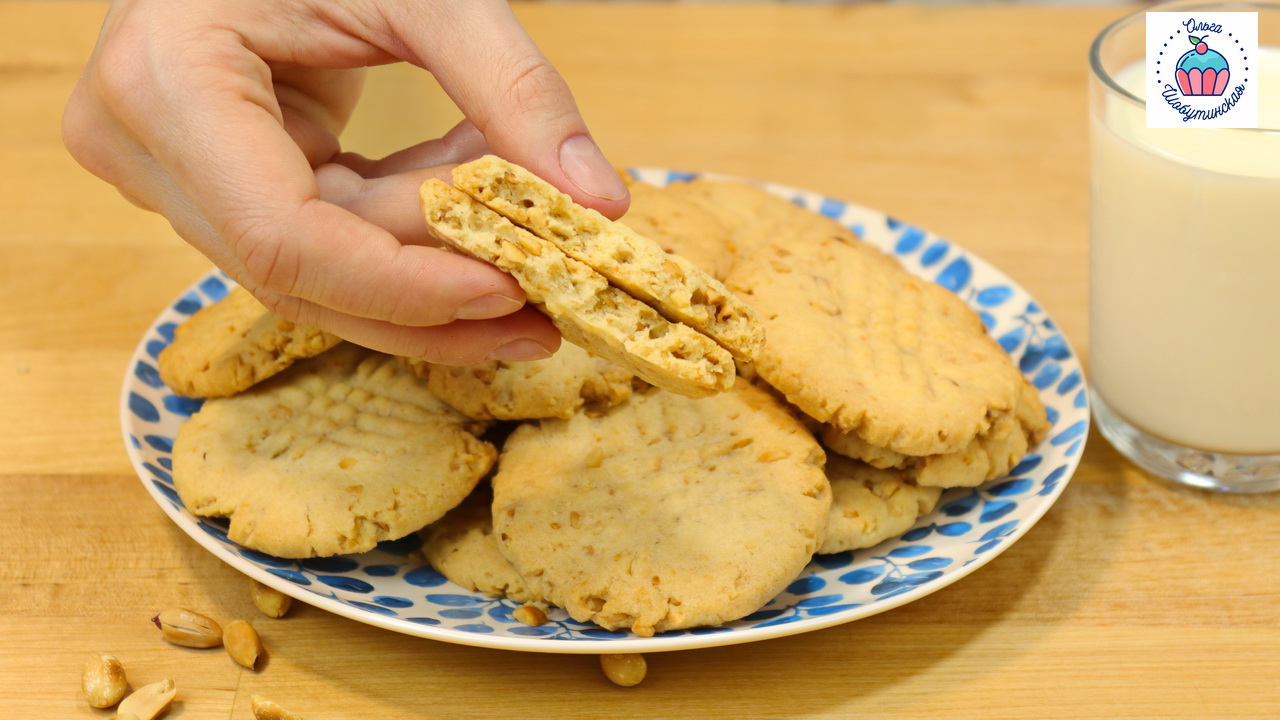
(508, 89)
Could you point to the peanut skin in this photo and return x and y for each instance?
(188, 629)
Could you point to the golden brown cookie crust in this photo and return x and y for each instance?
(229, 346)
(462, 547)
(664, 512)
(989, 456)
(870, 505)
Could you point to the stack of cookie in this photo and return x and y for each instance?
(607, 288)
(627, 479)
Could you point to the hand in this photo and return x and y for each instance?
(224, 116)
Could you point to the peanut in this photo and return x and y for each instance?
(103, 680)
(625, 670)
(269, 601)
(130, 716)
(530, 615)
(148, 701)
(725, 446)
(242, 643)
(188, 629)
(264, 709)
(510, 254)
(711, 296)
(530, 246)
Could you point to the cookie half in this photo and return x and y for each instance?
(229, 346)
(664, 512)
(588, 311)
(332, 456)
(669, 283)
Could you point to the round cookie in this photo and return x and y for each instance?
(332, 456)
(550, 388)
(462, 547)
(870, 505)
(858, 342)
(228, 346)
(664, 512)
(680, 226)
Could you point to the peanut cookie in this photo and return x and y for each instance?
(669, 283)
(870, 505)
(554, 387)
(753, 216)
(663, 512)
(588, 311)
(680, 226)
(337, 453)
(462, 547)
(228, 346)
(990, 455)
(861, 344)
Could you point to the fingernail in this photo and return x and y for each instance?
(587, 168)
(522, 350)
(486, 307)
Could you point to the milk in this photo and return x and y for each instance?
(1185, 273)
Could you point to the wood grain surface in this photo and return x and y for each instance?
(1130, 599)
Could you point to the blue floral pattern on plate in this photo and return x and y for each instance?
(970, 526)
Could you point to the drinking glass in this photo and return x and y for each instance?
(1184, 308)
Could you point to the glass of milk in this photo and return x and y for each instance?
(1185, 270)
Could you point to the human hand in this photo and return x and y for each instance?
(224, 116)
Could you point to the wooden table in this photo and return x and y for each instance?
(1130, 599)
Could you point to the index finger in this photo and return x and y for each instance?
(492, 69)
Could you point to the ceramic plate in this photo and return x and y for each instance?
(969, 528)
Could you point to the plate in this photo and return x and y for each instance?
(969, 528)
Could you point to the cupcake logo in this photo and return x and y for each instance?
(1202, 71)
(1213, 82)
